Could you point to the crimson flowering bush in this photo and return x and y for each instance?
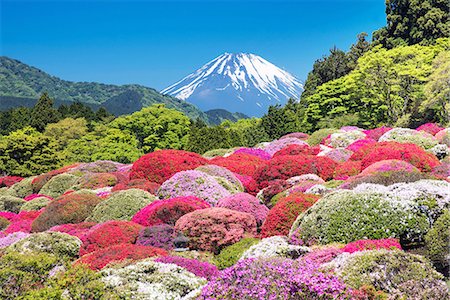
(7, 181)
(109, 233)
(98, 259)
(22, 221)
(168, 211)
(274, 278)
(71, 208)
(347, 169)
(361, 245)
(297, 150)
(255, 152)
(431, 128)
(143, 184)
(281, 217)
(199, 268)
(160, 165)
(246, 203)
(241, 163)
(78, 230)
(376, 133)
(212, 229)
(284, 167)
(275, 187)
(159, 236)
(249, 183)
(356, 145)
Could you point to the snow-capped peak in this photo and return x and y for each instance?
(245, 76)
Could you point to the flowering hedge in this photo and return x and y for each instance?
(343, 139)
(21, 221)
(241, 163)
(281, 217)
(362, 245)
(99, 259)
(168, 211)
(246, 203)
(199, 268)
(72, 208)
(297, 150)
(143, 184)
(211, 229)
(160, 165)
(255, 152)
(159, 236)
(274, 278)
(77, 230)
(108, 234)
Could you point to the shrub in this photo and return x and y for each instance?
(343, 139)
(246, 203)
(35, 204)
(298, 150)
(347, 216)
(34, 196)
(255, 152)
(4, 222)
(437, 241)
(231, 182)
(281, 217)
(7, 181)
(431, 128)
(284, 167)
(58, 185)
(77, 230)
(383, 269)
(322, 255)
(121, 205)
(297, 135)
(159, 236)
(356, 145)
(338, 155)
(275, 246)
(11, 203)
(442, 171)
(406, 135)
(361, 245)
(39, 181)
(250, 185)
(22, 221)
(211, 229)
(421, 289)
(443, 136)
(217, 152)
(389, 165)
(198, 268)
(347, 169)
(160, 165)
(143, 184)
(22, 188)
(98, 259)
(275, 187)
(94, 181)
(274, 278)
(231, 254)
(12, 238)
(193, 183)
(72, 208)
(277, 145)
(386, 178)
(108, 234)
(318, 136)
(376, 133)
(168, 211)
(148, 279)
(240, 163)
(100, 166)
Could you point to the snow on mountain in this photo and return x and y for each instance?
(237, 82)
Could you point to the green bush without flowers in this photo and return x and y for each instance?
(59, 184)
(231, 254)
(35, 204)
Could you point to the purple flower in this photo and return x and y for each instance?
(255, 152)
(199, 268)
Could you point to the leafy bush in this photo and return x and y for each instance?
(386, 178)
(159, 236)
(35, 204)
(11, 203)
(160, 165)
(281, 217)
(246, 203)
(343, 139)
(143, 184)
(97, 180)
(318, 136)
(108, 234)
(39, 181)
(406, 135)
(12, 238)
(250, 184)
(198, 268)
(443, 136)
(275, 246)
(347, 169)
(229, 255)
(437, 241)
(231, 182)
(100, 258)
(356, 145)
(322, 255)
(421, 289)
(121, 205)
(58, 185)
(22, 221)
(72, 208)
(22, 188)
(211, 229)
(168, 211)
(3, 223)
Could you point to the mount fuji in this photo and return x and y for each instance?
(237, 82)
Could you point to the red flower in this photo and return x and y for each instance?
(7, 181)
(241, 163)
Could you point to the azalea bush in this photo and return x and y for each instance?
(97, 180)
(198, 268)
(224, 176)
(297, 149)
(229, 255)
(7, 181)
(142, 184)
(406, 135)
(275, 246)
(246, 203)
(277, 145)
(362, 245)
(21, 221)
(159, 236)
(78, 229)
(255, 152)
(58, 185)
(240, 163)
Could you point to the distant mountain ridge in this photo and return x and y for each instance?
(237, 82)
(217, 116)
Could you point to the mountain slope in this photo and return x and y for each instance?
(19, 83)
(217, 116)
(237, 82)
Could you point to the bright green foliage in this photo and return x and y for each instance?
(58, 185)
(121, 205)
(414, 21)
(204, 138)
(104, 143)
(317, 136)
(156, 127)
(27, 152)
(14, 119)
(43, 113)
(231, 254)
(66, 130)
(11, 203)
(437, 240)
(35, 204)
(21, 189)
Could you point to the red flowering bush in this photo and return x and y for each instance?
(362, 245)
(34, 196)
(40, 180)
(356, 145)
(199, 268)
(97, 180)
(250, 184)
(77, 230)
(296, 149)
(160, 165)
(431, 128)
(7, 181)
(241, 163)
(159, 236)
(388, 166)
(284, 167)
(347, 169)
(376, 133)
(281, 217)
(143, 184)
(72, 208)
(246, 203)
(109, 233)
(168, 211)
(98, 259)
(22, 221)
(212, 229)
(275, 187)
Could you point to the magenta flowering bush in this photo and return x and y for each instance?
(274, 278)
(339, 154)
(362, 245)
(356, 145)
(376, 133)
(322, 255)
(159, 236)
(431, 128)
(247, 203)
(22, 221)
(298, 135)
(389, 165)
(34, 196)
(78, 230)
(199, 268)
(277, 145)
(255, 152)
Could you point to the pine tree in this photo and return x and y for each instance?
(43, 113)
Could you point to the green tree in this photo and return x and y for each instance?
(357, 50)
(14, 119)
(43, 113)
(207, 138)
(282, 120)
(66, 130)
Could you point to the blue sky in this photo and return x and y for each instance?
(156, 43)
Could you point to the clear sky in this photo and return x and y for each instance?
(156, 43)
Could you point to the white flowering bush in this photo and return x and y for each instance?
(440, 151)
(275, 246)
(151, 280)
(342, 139)
(406, 135)
(319, 189)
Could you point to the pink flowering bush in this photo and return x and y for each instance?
(322, 255)
(388, 165)
(246, 203)
(356, 145)
(159, 236)
(199, 268)
(298, 135)
(277, 145)
(231, 182)
(78, 230)
(274, 278)
(12, 238)
(249, 183)
(339, 155)
(431, 128)
(255, 152)
(362, 245)
(376, 133)
(22, 221)
(443, 136)
(212, 229)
